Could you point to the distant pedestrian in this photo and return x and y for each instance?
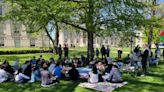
(66, 49)
(103, 51)
(60, 52)
(97, 52)
(119, 53)
(144, 60)
(163, 54)
(107, 51)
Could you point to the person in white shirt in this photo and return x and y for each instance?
(3, 74)
(20, 77)
(93, 75)
(115, 75)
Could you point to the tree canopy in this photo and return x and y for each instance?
(96, 17)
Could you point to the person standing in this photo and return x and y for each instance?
(108, 51)
(163, 54)
(103, 51)
(97, 52)
(119, 53)
(66, 51)
(157, 51)
(60, 52)
(144, 60)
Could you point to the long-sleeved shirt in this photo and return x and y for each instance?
(21, 76)
(3, 75)
(114, 75)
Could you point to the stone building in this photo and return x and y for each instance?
(14, 35)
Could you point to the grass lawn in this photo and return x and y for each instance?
(154, 82)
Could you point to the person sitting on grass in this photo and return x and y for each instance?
(20, 77)
(8, 68)
(35, 76)
(115, 75)
(24, 66)
(93, 75)
(46, 79)
(52, 66)
(16, 65)
(127, 59)
(57, 72)
(33, 61)
(108, 68)
(3, 74)
(28, 70)
(73, 73)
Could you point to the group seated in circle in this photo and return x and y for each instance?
(51, 71)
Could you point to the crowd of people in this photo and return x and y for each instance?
(143, 59)
(51, 71)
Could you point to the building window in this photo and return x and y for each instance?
(65, 37)
(84, 40)
(1, 28)
(0, 10)
(77, 41)
(1, 42)
(32, 42)
(17, 43)
(16, 27)
(106, 41)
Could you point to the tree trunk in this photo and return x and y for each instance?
(150, 35)
(56, 37)
(57, 34)
(51, 39)
(90, 29)
(90, 48)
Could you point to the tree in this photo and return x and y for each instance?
(106, 16)
(36, 15)
(155, 22)
(95, 17)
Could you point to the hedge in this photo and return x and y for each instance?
(25, 51)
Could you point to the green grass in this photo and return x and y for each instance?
(154, 82)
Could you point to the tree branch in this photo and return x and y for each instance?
(76, 1)
(73, 25)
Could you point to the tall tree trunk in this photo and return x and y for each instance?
(150, 35)
(90, 29)
(57, 33)
(51, 39)
(90, 48)
(56, 36)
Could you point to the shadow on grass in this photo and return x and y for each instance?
(140, 86)
(35, 87)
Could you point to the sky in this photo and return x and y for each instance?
(160, 1)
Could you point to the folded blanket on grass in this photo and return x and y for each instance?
(102, 86)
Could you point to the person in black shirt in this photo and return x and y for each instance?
(119, 53)
(60, 52)
(107, 51)
(97, 52)
(103, 51)
(66, 51)
(73, 74)
(163, 54)
(144, 60)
